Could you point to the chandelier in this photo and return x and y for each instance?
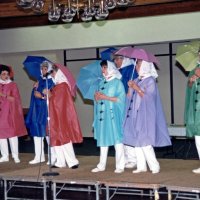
(86, 10)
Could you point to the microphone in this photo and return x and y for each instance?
(48, 73)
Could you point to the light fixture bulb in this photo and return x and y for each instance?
(101, 14)
(54, 13)
(68, 14)
(122, 3)
(25, 4)
(86, 16)
(111, 4)
(38, 6)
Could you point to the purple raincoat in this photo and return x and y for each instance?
(145, 122)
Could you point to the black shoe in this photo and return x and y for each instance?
(53, 166)
(75, 166)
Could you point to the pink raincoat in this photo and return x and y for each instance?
(11, 114)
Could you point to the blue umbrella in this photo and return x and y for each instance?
(88, 79)
(32, 66)
(108, 54)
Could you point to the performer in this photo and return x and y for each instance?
(126, 67)
(192, 109)
(109, 108)
(145, 126)
(64, 125)
(12, 123)
(36, 119)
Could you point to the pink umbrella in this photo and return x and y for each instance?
(132, 52)
(70, 78)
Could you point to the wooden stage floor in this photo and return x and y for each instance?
(175, 177)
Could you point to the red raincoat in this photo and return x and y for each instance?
(64, 124)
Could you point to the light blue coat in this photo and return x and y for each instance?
(108, 115)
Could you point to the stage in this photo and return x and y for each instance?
(175, 179)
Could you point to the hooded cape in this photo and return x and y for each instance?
(145, 122)
(11, 113)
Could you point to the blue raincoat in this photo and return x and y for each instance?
(108, 115)
(127, 74)
(36, 119)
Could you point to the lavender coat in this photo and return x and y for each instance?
(145, 122)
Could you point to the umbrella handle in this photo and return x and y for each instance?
(134, 65)
(132, 79)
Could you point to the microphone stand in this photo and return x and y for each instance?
(50, 172)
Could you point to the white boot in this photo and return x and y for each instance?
(102, 160)
(141, 161)
(53, 156)
(119, 158)
(53, 153)
(196, 171)
(130, 157)
(70, 158)
(150, 156)
(60, 161)
(39, 150)
(4, 150)
(14, 149)
(197, 143)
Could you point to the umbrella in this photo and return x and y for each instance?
(108, 54)
(32, 66)
(88, 79)
(132, 52)
(69, 76)
(188, 55)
